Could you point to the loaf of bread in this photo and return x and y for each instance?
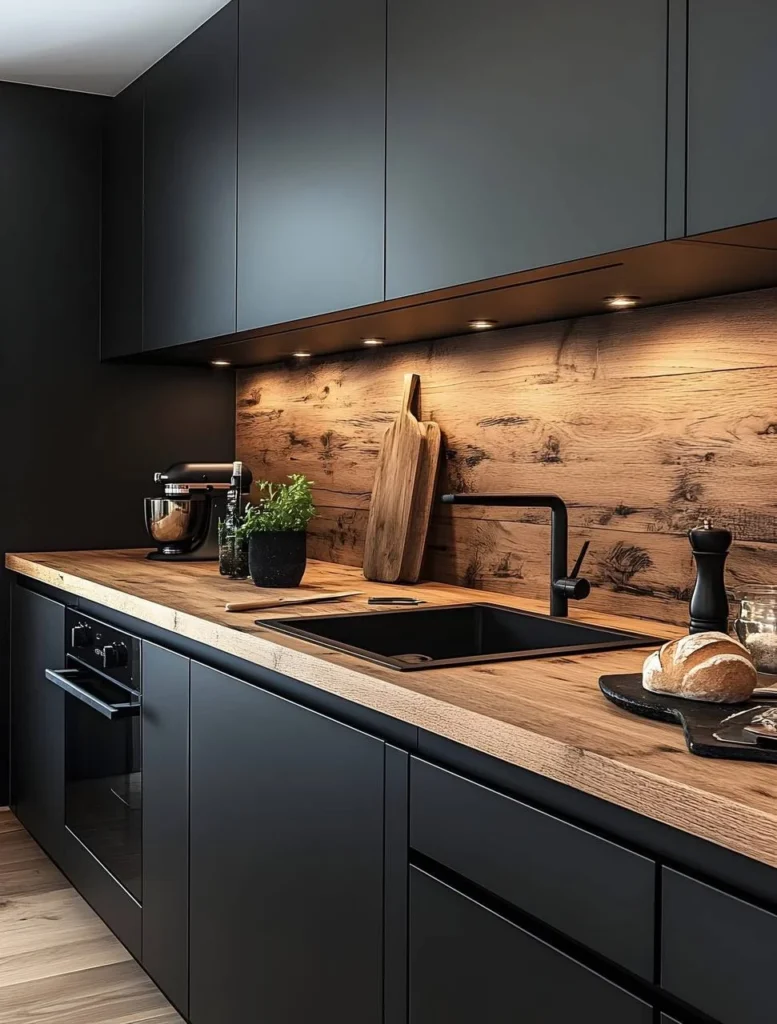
(702, 666)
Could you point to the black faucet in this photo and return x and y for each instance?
(562, 586)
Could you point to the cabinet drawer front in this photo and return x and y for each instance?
(598, 893)
(717, 951)
(469, 964)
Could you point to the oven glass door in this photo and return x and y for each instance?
(103, 783)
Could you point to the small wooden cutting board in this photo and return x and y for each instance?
(394, 491)
(423, 504)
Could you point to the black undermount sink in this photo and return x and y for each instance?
(465, 634)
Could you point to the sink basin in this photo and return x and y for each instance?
(464, 634)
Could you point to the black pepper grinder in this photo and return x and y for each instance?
(709, 602)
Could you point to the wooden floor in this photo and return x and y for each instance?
(59, 964)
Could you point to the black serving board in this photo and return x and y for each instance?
(700, 719)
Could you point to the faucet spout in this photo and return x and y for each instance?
(562, 586)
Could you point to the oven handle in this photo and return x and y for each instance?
(65, 679)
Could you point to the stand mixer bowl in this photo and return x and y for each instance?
(176, 524)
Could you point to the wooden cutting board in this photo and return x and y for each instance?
(423, 504)
(394, 490)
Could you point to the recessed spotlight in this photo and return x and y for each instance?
(621, 301)
(220, 362)
(373, 342)
(482, 325)
(301, 355)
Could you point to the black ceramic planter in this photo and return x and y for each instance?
(277, 559)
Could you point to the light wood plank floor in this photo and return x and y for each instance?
(59, 964)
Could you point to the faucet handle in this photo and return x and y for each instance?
(575, 587)
(583, 552)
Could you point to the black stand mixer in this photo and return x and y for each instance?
(184, 523)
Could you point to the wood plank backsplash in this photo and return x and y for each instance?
(643, 421)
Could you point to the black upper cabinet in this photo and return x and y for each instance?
(311, 164)
(521, 135)
(732, 143)
(286, 861)
(190, 188)
(469, 964)
(121, 306)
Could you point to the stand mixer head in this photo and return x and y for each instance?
(183, 524)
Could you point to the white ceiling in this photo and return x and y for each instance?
(94, 46)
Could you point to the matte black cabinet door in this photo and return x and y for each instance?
(37, 718)
(166, 821)
(468, 964)
(732, 123)
(520, 135)
(311, 175)
(522, 855)
(286, 909)
(712, 945)
(121, 305)
(190, 189)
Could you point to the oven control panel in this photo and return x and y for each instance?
(104, 648)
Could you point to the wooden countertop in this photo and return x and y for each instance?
(545, 715)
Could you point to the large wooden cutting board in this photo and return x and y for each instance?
(423, 504)
(394, 490)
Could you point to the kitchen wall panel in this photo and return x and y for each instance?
(80, 440)
(643, 421)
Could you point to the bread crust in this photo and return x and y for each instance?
(702, 666)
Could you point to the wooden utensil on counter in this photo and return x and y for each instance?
(394, 491)
(422, 505)
(277, 602)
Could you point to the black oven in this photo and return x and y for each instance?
(103, 779)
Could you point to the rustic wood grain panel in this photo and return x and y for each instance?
(650, 576)
(545, 715)
(644, 422)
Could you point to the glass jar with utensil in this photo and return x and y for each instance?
(756, 624)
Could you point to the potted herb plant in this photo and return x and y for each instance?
(275, 528)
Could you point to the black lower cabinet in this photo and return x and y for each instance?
(286, 861)
(469, 964)
(275, 886)
(165, 942)
(522, 855)
(38, 719)
(714, 948)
